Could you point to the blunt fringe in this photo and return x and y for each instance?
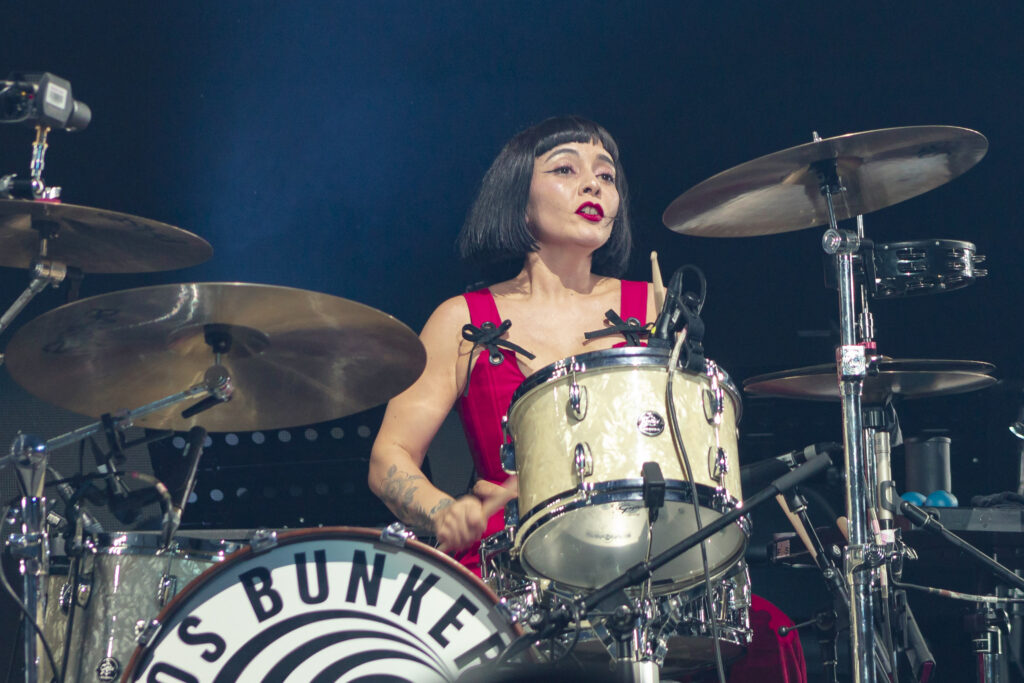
(495, 232)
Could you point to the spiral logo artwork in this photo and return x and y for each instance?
(328, 610)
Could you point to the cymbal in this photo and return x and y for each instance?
(780, 192)
(913, 378)
(296, 356)
(94, 240)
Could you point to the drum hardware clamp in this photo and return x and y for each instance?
(263, 540)
(396, 534)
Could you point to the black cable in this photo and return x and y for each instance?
(677, 436)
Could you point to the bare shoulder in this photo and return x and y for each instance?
(445, 324)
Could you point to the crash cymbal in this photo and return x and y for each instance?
(94, 240)
(780, 192)
(296, 356)
(905, 378)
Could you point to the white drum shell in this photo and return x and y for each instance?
(585, 533)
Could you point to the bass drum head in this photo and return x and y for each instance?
(334, 604)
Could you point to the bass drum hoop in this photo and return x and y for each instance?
(471, 580)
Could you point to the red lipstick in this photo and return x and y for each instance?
(590, 211)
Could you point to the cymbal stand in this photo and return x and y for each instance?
(851, 368)
(45, 272)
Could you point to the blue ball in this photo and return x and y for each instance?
(913, 497)
(941, 499)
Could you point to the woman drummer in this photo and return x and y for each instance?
(555, 202)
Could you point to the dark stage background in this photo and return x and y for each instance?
(336, 146)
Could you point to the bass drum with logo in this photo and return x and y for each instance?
(332, 604)
(581, 430)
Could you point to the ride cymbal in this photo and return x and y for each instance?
(94, 240)
(295, 356)
(912, 378)
(781, 192)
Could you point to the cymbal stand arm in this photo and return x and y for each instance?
(125, 419)
(851, 368)
(44, 273)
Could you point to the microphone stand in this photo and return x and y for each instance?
(557, 619)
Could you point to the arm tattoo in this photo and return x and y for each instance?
(398, 491)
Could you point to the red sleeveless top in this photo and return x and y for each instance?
(489, 394)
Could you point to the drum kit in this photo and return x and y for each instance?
(626, 543)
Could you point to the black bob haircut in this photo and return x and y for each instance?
(495, 232)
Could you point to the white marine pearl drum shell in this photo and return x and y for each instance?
(584, 531)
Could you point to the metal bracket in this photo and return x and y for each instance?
(851, 362)
(263, 540)
(578, 399)
(396, 534)
(507, 451)
(148, 632)
(166, 589)
(583, 466)
(718, 464)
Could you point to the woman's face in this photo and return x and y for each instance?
(573, 198)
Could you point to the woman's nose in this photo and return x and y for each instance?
(592, 186)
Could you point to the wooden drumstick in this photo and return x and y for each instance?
(659, 286)
(798, 526)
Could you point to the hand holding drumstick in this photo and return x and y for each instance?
(464, 521)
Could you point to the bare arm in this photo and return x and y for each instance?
(412, 420)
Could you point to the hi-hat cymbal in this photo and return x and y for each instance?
(296, 356)
(780, 192)
(912, 378)
(94, 240)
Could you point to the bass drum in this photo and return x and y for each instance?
(581, 430)
(333, 604)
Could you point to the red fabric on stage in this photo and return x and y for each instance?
(771, 658)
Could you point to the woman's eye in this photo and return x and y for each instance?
(608, 177)
(564, 170)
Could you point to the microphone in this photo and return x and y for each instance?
(42, 99)
(668, 318)
(757, 475)
(67, 494)
(115, 488)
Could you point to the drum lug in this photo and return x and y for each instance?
(148, 633)
(167, 589)
(263, 540)
(511, 516)
(508, 457)
(396, 534)
(718, 464)
(583, 463)
(578, 400)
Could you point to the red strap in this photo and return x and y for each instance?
(482, 308)
(634, 301)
